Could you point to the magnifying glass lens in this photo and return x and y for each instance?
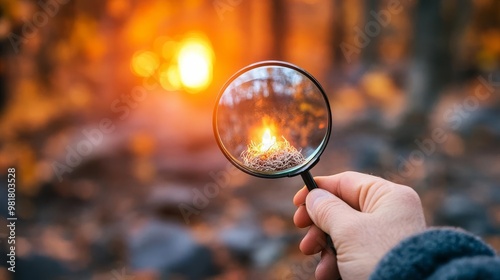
(272, 119)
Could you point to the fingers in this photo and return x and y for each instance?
(329, 212)
(351, 187)
(301, 218)
(341, 207)
(327, 267)
(313, 242)
(300, 197)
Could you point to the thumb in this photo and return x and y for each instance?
(328, 211)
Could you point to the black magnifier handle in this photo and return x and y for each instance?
(308, 179)
(311, 184)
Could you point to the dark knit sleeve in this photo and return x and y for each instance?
(480, 267)
(438, 254)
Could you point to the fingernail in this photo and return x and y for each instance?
(313, 196)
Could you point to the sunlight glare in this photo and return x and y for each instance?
(195, 62)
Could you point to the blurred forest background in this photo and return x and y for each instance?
(106, 107)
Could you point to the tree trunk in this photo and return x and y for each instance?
(278, 22)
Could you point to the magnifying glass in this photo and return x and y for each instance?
(272, 119)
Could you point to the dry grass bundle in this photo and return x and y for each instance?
(280, 156)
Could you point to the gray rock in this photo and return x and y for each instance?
(169, 249)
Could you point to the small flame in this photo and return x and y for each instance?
(267, 140)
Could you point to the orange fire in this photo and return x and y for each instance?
(268, 140)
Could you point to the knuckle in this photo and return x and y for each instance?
(350, 173)
(411, 196)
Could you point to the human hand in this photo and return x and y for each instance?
(364, 215)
